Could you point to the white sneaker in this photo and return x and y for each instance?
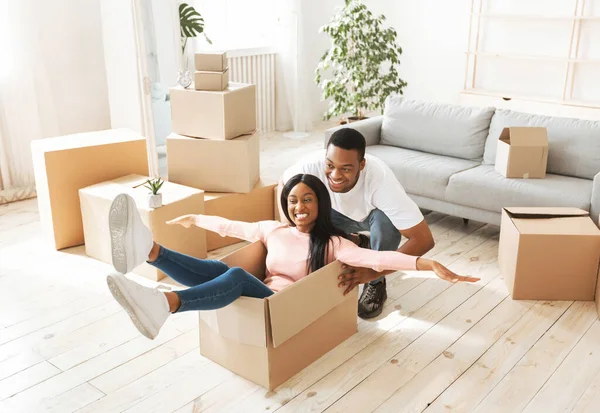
(147, 307)
(131, 241)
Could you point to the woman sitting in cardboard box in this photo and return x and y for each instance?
(292, 253)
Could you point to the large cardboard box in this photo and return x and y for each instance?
(216, 81)
(64, 165)
(522, 152)
(214, 114)
(252, 207)
(216, 166)
(177, 200)
(269, 340)
(549, 253)
(211, 61)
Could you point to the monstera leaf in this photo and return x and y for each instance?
(191, 24)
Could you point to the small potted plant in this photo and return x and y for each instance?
(154, 197)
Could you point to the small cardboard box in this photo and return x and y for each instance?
(211, 61)
(216, 81)
(269, 340)
(251, 207)
(549, 253)
(177, 200)
(216, 166)
(64, 165)
(224, 114)
(522, 152)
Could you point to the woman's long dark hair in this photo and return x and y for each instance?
(324, 229)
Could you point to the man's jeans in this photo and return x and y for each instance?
(384, 235)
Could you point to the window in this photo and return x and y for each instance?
(237, 24)
(538, 50)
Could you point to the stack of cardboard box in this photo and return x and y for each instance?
(214, 146)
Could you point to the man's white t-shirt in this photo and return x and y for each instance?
(377, 187)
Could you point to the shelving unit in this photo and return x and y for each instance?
(572, 59)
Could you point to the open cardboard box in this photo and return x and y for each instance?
(522, 152)
(549, 253)
(269, 340)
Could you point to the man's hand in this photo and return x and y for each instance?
(353, 276)
(185, 220)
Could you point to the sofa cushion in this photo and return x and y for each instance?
(482, 187)
(420, 173)
(573, 144)
(441, 129)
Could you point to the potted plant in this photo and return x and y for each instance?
(154, 197)
(191, 24)
(362, 59)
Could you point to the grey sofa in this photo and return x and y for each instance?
(444, 157)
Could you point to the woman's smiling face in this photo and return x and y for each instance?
(303, 207)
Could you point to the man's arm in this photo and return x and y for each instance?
(420, 239)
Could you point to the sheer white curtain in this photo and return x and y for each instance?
(293, 108)
(26, 103)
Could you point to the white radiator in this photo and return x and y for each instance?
(256, 66)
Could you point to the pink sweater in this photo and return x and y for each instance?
(287, 249)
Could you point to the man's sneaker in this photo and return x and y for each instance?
(131, 241)
(147, 307)
(370, 303)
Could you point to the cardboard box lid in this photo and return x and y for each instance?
(552, 220)
(244, 322)
(86, 139)
(299, 305)
(231, 87)
(134, 185)
(524, 136)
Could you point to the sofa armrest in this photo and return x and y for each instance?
(595, 208)
(370, 128)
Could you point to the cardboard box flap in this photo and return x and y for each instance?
(524, 136)
(299, 305)
(553, 221)
(250, 258)
(243, 321)
(545, 212)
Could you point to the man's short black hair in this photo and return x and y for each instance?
(348, 138)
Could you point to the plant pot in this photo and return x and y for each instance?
(154, 200)
(350, 119)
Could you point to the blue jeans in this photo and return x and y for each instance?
(212, 283)
(384, 235)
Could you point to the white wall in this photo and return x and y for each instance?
(73, 59)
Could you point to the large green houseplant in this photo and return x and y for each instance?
(362, 60)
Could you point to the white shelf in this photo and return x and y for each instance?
(532, 57)
(509, 16)
(509, 96)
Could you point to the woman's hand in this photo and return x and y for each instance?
(442, 272)
(185, 220)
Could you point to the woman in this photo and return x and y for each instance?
(292, 253)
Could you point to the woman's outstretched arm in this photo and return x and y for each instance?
(349, 253)
(248, 231)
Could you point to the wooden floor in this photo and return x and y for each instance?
(66, 346)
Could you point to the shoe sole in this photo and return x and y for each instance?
(139, 318)
(118, 221)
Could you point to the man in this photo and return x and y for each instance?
(366, 196)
